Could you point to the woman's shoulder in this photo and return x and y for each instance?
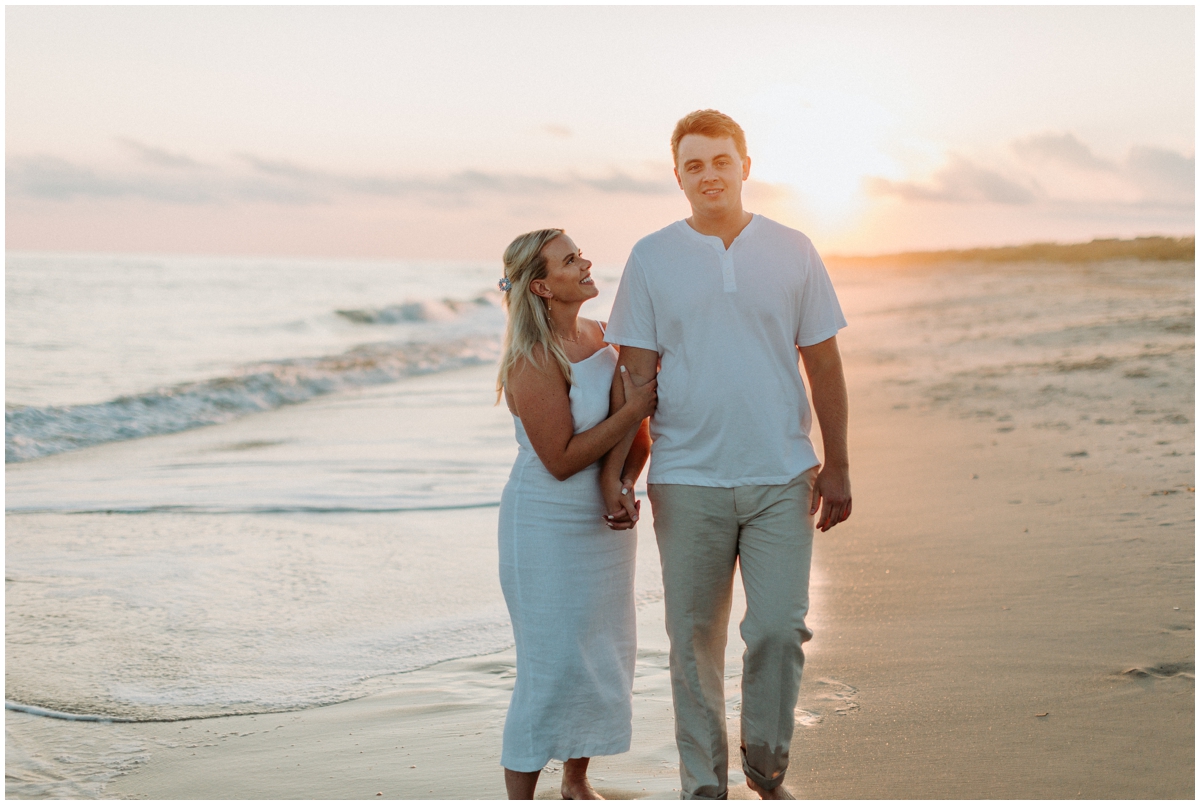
(539, 367)
(594, 325)
(537, 359)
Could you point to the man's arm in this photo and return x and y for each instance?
(622, 510)
(823, 364)
(639, 452)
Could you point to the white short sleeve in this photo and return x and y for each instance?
(631, 323)
(820, 313)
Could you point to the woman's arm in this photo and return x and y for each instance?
(543, 402)
(625, 461)
(612, 478)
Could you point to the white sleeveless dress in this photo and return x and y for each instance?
(568, 582)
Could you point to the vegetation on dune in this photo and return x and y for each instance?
(1149, 248)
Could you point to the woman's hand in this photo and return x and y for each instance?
(623, 509)
(643, 398)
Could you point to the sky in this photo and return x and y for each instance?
(443, 132)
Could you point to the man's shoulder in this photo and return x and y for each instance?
(667, 238)
(782, 236)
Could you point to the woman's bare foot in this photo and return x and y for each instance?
(778, 792)
(579, 790)
(575, 784)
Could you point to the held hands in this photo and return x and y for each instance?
(623, 509)
(643, 398)
(832, 485)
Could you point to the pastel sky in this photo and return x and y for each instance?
(445, 131)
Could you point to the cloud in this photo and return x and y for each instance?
(1155, 175)
(1065, 149)
(557, 131)
(620, 182)
(1163, 175)
(1056, 169)
(176, 178)
(54, 179)
(160, 157)
(454, 184)
(506, 183)
(961, 181)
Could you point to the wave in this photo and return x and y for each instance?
(421, 310)
(287, 682)
(33, 432)
(289, 679)
(47, 713)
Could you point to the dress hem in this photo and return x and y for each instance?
(585, 751)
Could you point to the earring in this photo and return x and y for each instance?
(548, 308)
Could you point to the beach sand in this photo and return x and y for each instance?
(1009, 613)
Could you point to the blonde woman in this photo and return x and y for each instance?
(566, 567)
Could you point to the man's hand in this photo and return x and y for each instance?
(832, 486)
(619, 503)
(823, 363)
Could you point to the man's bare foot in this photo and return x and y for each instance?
(579, 789)
(778, 792)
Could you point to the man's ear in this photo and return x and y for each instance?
(745, 168)
(677, 179)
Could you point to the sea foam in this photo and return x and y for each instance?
(32, 432)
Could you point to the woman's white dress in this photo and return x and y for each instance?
(568, 582)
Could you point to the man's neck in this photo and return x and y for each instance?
(726, 227)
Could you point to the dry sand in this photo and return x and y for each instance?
(1008, 614)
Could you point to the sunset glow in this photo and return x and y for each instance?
(426, 131)
(822, 144)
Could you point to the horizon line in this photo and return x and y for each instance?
(1147, 243)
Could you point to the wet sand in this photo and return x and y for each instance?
(1008, 614)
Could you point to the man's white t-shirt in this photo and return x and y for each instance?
(726, 324)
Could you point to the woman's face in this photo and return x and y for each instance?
(568, 274)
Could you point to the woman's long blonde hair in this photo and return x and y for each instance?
(528, 317)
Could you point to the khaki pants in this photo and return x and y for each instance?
(703, 532)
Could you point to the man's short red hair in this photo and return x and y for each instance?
(708, 123)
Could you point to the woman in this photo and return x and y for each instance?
(567, 577)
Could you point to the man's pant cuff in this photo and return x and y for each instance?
(765, 783)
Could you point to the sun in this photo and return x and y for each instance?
(821, 144)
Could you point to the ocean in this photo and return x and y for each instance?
(249, 485)
(107, 348)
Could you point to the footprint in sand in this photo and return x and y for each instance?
(1165, 670)
(826, 697)
(807, 718)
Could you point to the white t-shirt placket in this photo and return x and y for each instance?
(727, 271)
(725, 257)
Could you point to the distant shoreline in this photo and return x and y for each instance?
(1148, 248)
(1152, 248)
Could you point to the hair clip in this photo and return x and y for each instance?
(505, 284)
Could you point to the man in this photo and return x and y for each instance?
(723, 307)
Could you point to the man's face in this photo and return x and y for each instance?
(710, 171)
